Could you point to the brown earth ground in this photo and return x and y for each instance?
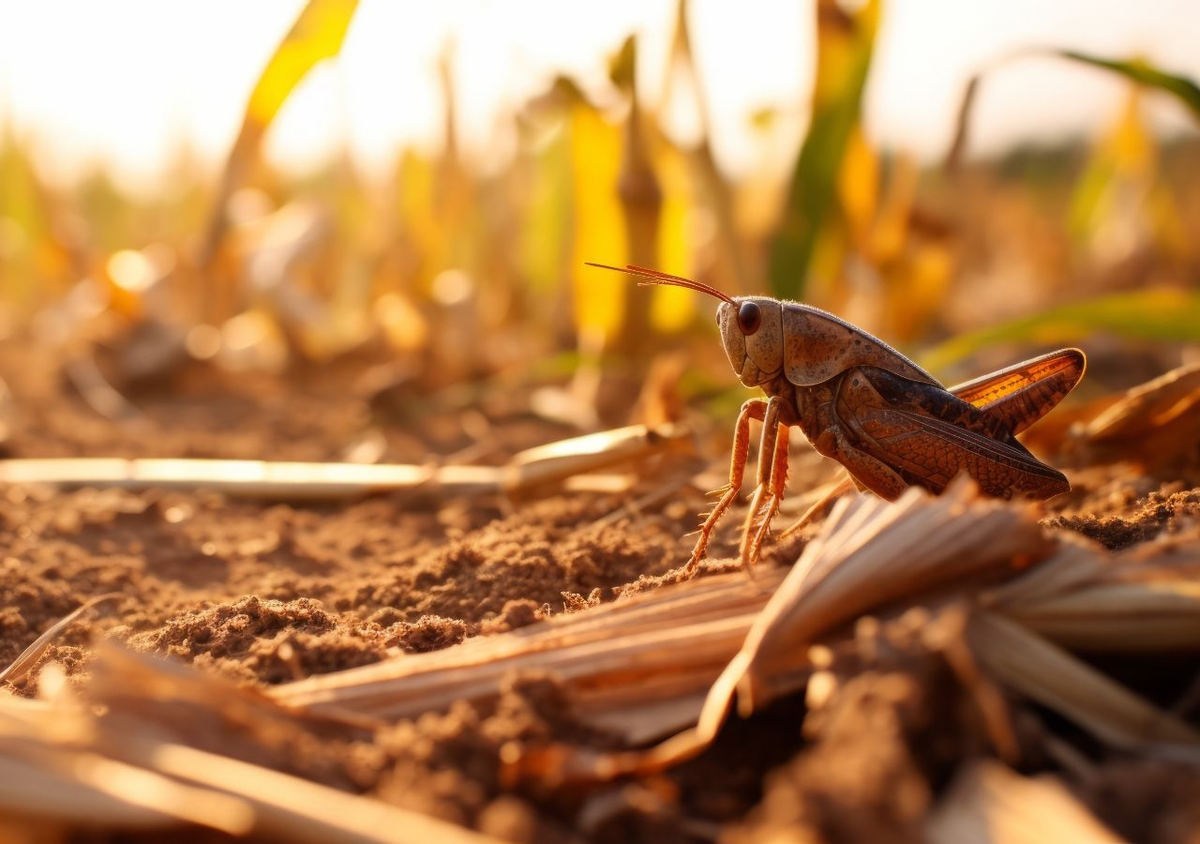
(265, 593)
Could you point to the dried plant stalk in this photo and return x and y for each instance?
(1085, 598)
(535, 469)
(247, 478)
(29, 790)
(1077, 562)
(67, 784)
(294, 808)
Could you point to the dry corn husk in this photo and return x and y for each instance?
(872, 553)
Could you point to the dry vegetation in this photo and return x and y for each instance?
(346, 510)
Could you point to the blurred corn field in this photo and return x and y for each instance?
(466, 274)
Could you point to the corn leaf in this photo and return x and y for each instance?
(1152, 314)
(1139, 71)
(317, 34)
(844, 47)
(1181, 87)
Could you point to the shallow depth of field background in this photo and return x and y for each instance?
(177, 186)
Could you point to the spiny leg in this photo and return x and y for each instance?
(776, 486)
(752, 409)
(766, 460)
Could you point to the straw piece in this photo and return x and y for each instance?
(29, 790)
(29, 657)
(292, 808)
(534, 469)
(554, 462)
(1078, 561)
(988, 802)
(246, 478)
(634, 663)
(1054, 678)
(67, 784)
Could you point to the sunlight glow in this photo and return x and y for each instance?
(131, 83)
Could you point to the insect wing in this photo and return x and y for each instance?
(930, 436)
(1025, 392)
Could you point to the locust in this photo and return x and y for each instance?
(860, 402)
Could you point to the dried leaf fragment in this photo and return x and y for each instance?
(1155, 422)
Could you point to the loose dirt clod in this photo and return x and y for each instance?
(1155, 514)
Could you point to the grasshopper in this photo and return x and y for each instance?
(890, 423)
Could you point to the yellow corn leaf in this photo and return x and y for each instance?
(858, 187)
(672, 307)
(317, 34)
(891, 231)
(599, 225)
(845, 42)
(1167, 225)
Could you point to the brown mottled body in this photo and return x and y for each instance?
(862, 403)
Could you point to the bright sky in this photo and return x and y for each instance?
(126, 81)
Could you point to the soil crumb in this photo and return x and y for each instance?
(1156, 514)
(266, 641)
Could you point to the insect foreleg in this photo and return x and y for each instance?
(775, 485)
(766, 458)
(759, 409)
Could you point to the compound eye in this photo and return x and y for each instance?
(749, 318)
